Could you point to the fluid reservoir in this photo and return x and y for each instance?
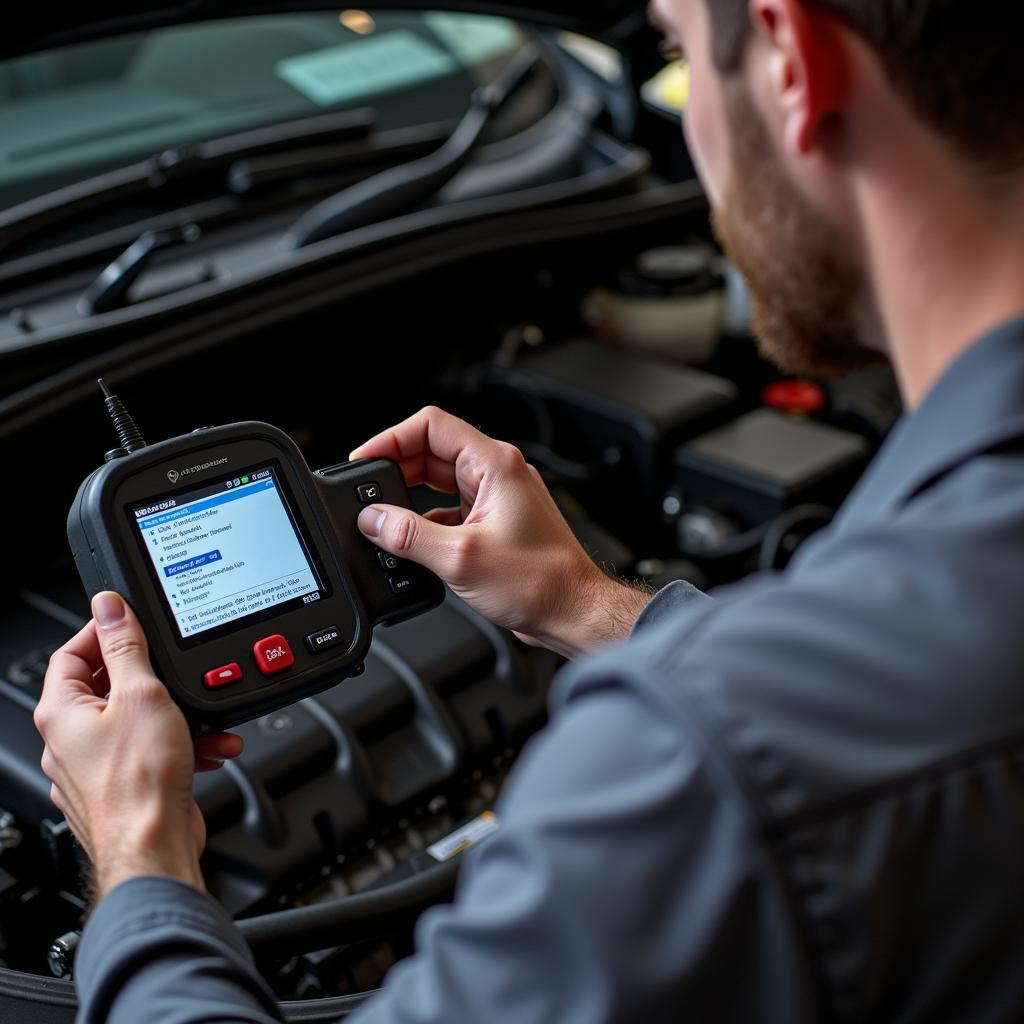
(677, 302)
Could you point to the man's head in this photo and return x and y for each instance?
(955, 63)
(796, 104)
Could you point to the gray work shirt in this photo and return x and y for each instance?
(801, 801)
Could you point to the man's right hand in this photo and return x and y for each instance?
(506, 550)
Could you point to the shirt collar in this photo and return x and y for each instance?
(977, 405)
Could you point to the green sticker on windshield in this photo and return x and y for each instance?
(365, 67)
(473, 38)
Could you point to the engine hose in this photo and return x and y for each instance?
(773, 555)
(566, 470)
(740, 544)
(286, 933)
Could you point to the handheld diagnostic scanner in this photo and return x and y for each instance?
(246, 569)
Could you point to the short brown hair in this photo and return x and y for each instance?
(959, 62)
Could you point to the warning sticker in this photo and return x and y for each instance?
(365, 67)
(463, 838)
(474, 38)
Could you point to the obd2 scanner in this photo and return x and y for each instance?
(247, 571)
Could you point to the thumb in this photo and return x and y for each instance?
(122, 642)
(402, 532)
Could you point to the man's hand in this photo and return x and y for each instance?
(120, 756)
(506, 550)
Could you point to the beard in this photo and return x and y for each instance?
(806, 289)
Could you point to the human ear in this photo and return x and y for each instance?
(808, 67)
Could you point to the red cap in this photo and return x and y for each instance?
(797, 397)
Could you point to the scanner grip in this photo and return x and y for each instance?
(392, 589)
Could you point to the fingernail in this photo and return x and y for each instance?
(371, 521)
(108, 609)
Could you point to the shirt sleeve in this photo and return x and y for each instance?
(670, 603)
(162, 952)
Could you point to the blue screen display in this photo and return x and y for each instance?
(226, 551)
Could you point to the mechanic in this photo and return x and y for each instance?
(802, 800)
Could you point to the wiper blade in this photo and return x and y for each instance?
(250, 175)
(173, 166)
(400, 188)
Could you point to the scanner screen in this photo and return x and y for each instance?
(226, 551)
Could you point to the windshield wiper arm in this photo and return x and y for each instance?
(386, 194)
(176, 165)
(110, 290)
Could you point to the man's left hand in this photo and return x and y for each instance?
(120, 756)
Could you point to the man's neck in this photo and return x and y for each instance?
(948, 264)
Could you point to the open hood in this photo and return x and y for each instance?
(38, 27)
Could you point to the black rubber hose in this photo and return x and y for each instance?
(773, 556)
(289, 932)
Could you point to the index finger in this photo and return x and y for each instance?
(429, 446)
(81, 655)
(73, 667)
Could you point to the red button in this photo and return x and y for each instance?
(223, 675)
(273, 654)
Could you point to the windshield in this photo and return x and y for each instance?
(76, 112)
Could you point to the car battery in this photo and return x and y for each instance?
(758, 466)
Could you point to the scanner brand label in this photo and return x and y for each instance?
(174, 475)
